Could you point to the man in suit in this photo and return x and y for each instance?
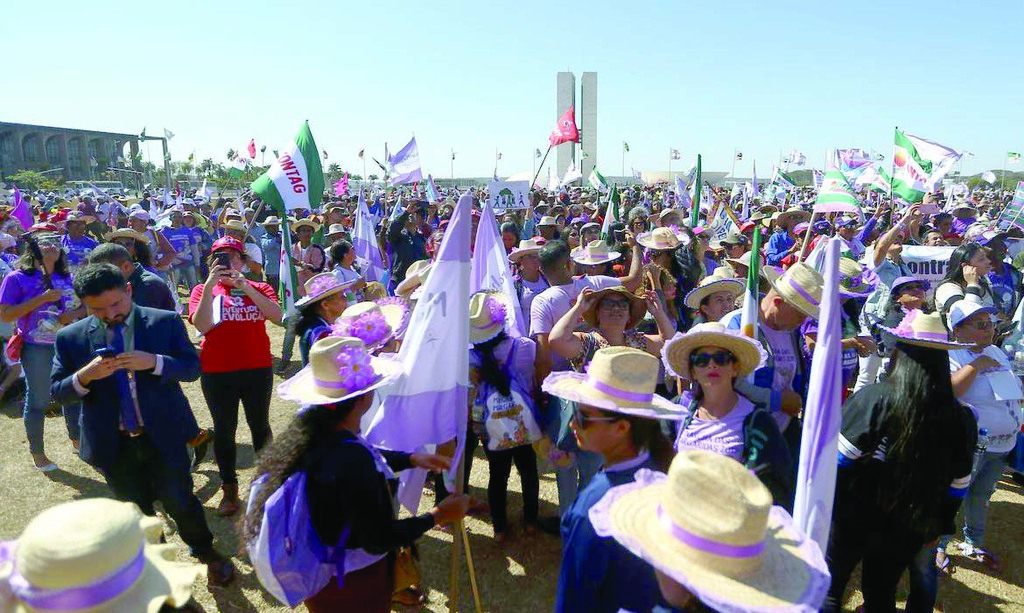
(124, 363)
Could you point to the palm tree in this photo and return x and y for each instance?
(232, 154)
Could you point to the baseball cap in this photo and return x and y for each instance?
(228, 242)
(962, 309)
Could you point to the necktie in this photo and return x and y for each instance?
(124, 388)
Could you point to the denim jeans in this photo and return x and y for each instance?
(572, 478)
(988, 467)
(185, 274)
(288, 346)
(36, 362)
(924, 582)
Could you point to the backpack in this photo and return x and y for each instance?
(506, 421)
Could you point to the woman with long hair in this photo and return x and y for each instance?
(38, 295)
(615, 415)
(906, 449)
(136, 244)
(967, 279)
(347, 479)
(718, 418)
(660, 248)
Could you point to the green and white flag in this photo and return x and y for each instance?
(1012, 158)
(875, 178)
(836, 195)
(920, 165)
(611, 215)
(295, 180)
(783, 180)
(597, 180)
(238, 167)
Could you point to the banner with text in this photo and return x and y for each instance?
(1012, 214)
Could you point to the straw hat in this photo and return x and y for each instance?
(415, 276)
(397, 312)
(619, 379)
(307, 222)
(800, 286)
(924, 330)
(660, 239)
(744, 260)
(488, 312)
(367, 322)
(233, 224)
(793, 212)
(321, 286)
(339, 368)
(676, 352)
(335, 228)
(547, 220)
(712, 285)
(126, 233)
(637, 306)
(526, 247)
(710, 526)
(95, 554)
(854, 282)
(272, 220)
(594, 253)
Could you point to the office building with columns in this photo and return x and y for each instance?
(586, 119)
(81, 153)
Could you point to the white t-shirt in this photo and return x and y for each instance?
(531, 289)
(1001, 419)
(550, 305)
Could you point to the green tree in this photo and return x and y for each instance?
(30, 180)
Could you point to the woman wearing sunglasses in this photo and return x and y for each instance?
(616, 415)
(716, 417)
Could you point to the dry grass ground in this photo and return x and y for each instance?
(519, 575)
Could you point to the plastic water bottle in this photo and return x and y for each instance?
(1018, 360)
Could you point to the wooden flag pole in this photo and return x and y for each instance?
(541, 167)
(807, 239)
(457, 545)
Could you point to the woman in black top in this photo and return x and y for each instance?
(906, 449)
(347, 478)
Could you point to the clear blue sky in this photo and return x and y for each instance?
(706, 77)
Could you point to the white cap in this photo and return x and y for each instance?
(962, 309)
(139, 214)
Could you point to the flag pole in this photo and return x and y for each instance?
(457, 545)
(807, 239)
(540, 168)
(1002, 180)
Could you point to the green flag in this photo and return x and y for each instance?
(597, 180)
(695, 208)
(611, 215)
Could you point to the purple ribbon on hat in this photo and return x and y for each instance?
(78, 597)
(618, 393)
(803, 293)
(707, 545)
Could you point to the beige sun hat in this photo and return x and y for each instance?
(367, 322)
(748, 352)
(272, 220)
(531, 245)
(594, 253)
(793, 212)
(234, 224)
(619, 379)
(126, 233)
(712, 285)
(547, 220)
(924, 330)
(307, 222)
(415, 276)
(339, 368)
(800, 286)
(397, 312)
(637, 306)
(488, 312)
(321, 286)
(710, 526)
(659, 239)
(744, 260)
(335, 228)
(95, 555)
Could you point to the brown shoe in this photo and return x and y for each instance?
(229, 504)
(219, 570)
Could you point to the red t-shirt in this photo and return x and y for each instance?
(238, 340)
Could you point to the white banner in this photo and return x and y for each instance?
(506, 195)
(926, 263)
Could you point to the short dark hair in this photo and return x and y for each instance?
(552, 254)
(340, 249)
(96, 279)
(110, 253)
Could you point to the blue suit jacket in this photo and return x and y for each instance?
(165, 410)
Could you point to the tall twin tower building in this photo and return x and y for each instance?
(586, 118)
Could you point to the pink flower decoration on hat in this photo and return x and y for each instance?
(371, 328)
(905, 328)
(322, 285)
(497, 309)
(354, 368)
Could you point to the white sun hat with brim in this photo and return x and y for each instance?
(526, 247)
(397, 311)
(335, 229)
(339, 368)
(367, 322)
(618, 379)
(272, 220)
(712, 285)
(547, 220)
(675, 354)
(710, 526)
(923, 330)
(321, 286)
(415, 276)
(800, 286)
(97, 555)
(307, 222)
(595, 253)
(659, 239)
(488, 312)
(126, 233)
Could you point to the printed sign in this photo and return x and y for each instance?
(507, 195)
(1013, 214)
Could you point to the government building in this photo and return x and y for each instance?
(81, 153)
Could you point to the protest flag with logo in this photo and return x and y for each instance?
(611, 215)
(920, 165)
(565, 130)
(597, 180)
(836, 195)
(404, 166)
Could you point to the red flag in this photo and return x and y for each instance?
(252, 148)
(565, 131)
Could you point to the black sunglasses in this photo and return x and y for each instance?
(721, 358)
(584, 420)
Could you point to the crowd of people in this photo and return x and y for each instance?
(673, 435)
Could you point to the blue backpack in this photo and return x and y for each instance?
(290, 561)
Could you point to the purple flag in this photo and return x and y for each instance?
(364, 243)
(404, 166)
(490, 269)
(819, 452)
(428, 405)
(21, 210)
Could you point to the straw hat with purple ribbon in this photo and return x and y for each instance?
(595, 253)
(321, 286)
(397, 311)
(618, 379)
(749, 353)
(367, 322)
(800, 286)
(96, 554)
(659, 239)
(924, 330)
(855, 282)
(339, 368)
(488, 311)
(710, 526)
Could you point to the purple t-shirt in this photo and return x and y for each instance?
(550, 305)
(722, 436)
(182, 240)
(77, 250)
(41, 325)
